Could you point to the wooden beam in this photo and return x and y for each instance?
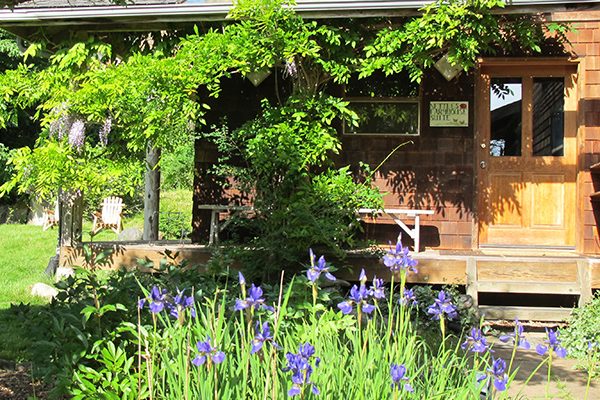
(528, 287)
(472, 284)
(525, 313)
(585, 283)
(541, 271)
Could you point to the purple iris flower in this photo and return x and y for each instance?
(254, 300)
(398, 374)
(399, 259)
(180, 303)
(157, 300)
(476, 342)
(553, 344)
(442, 307)
(408, 297)
(207, 352)
(362, 278)
(315, 271)
(377, 291)
(301, 368)
(262, 335)
(358, 296)
(498, 373)
(241, 279)
(517, 335)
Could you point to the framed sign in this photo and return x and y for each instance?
(448, 113)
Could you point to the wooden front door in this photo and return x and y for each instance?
(526, 154)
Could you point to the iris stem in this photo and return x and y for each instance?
(390, 307)
(550, 351)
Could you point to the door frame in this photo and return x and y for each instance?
(544, 66)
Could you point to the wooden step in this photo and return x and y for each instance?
(529, 287)
(548, 314)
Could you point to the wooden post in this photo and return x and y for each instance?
(472, 280)
(71, 218)
(151, 193)
(585, 281)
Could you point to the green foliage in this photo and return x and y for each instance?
(464, 30)
(583, 327)
(177, 167)
(283, 160)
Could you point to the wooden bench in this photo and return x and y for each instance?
(397, 214)
(216, 210)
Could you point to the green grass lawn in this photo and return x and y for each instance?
(24, 254)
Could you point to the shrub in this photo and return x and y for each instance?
(177, 167)
(583, 327)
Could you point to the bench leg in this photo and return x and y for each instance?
(214, 228)
(417, 233)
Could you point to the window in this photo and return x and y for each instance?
(385, 105)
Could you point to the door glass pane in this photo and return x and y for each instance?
(505, 116)
(548, 116)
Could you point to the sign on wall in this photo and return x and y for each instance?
(448, 113)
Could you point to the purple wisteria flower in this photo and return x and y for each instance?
(517, 337)
(377, 291)
(442, 307)
(498, 373)
(105, 130)
(206, 352)
(399, 258)
(476, 342)
(254, 300)
(157, 301)
(301, 368)
(180, 303)
(315, 270)
(408, 298)
(398, 375)
(262, 336)
(290, 69)
(553, 345)
(77, 134)
(358, 297)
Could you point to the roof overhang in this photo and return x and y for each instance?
(21, 20)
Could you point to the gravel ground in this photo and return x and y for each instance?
(16, 384)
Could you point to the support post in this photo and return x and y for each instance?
(585, 281)
(151, 193)
(472, 280)
(71, 218)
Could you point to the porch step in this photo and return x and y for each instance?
(529, 287)
(525, 313)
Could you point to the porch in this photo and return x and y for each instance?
(513, 276)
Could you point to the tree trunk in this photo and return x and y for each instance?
(151, 193)
(70, 218)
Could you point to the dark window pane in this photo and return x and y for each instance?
(548, 116)
(505, 115)
(380, 85)
(386, 118)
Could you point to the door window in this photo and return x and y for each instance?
(506, 117)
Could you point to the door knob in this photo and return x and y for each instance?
(482, 145)
(483, 164)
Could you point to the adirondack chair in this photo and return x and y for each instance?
(110, 217)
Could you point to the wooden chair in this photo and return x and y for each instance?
(110, 217)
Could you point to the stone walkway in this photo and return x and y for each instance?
(567, 381)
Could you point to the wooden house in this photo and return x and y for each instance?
(507, 156)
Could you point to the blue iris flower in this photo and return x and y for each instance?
(254, 300)
(180, 303)
(377, 290)
(498, 373)
(262, 336)
(399, 258)
(553, 344)
(359, 297)
(315, 270)
(442, 307)
(476, 342)
(300, 366)
(408, 298)
(398, 375)
(517, 337)
(157, 301)
(206, 352)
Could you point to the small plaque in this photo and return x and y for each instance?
(448, 113)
